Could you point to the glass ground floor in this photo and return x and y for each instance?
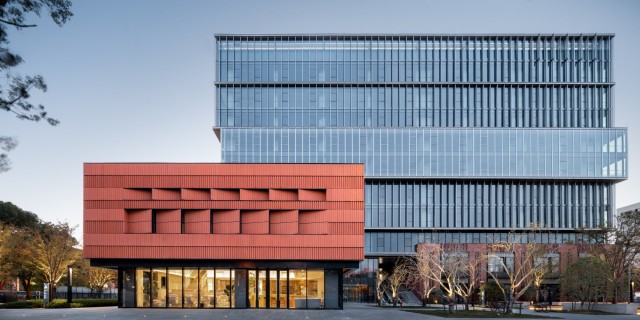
(214, 287)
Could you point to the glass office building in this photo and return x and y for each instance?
(463, 137)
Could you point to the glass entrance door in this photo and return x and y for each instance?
(267, 289)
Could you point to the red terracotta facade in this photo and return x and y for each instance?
(224, 211)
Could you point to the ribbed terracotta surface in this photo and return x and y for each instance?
(224, 211)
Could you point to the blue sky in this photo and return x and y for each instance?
(133, 80)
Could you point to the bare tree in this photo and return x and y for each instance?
(381, 286)
(471, 269)
(397, 279)
(55, 251)
(543, 266)
(515, 259)
(617, 244)
(420, 275)
(445, 265)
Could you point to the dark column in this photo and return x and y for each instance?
(240, 289)
(69, 284)
(332, 289)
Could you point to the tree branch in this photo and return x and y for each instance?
(18, 24)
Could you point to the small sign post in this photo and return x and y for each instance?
(45, 294)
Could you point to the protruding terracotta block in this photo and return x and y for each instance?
(283, 222)
(312, 195)
(254, 221)
(197, 221)
(225, 194)
(225, 221)
(138, 221)
(167, 221)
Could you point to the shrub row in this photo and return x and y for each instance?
(60, 303)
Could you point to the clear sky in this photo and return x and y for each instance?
(132, 81)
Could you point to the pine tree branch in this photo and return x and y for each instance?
(19, 25)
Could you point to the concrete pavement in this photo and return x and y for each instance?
(352, 311)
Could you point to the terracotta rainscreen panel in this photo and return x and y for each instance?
(224, 211)
(254, 194)
(167, 221)
(165, 194)
(283, 222)
(196, 194)
(225, 194)
(283, 194)
(312, 222)
(137, 194)
(197, 221)
(225, 221)
(312, 195)
(254, 221)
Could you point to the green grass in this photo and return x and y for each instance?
(476, 314)
(60, 303)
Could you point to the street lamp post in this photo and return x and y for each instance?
(70, 283)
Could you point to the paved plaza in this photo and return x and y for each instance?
(352, 311)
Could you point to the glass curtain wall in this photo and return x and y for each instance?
(190, 288)
(175, 288)
(207, 292)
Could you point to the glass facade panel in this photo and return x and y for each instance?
(315, 291)
(253, 289)
(447, 153)
(175, 288)
(478, 134)
(216, 288)
(273, 289)
(207, 288)
(224, 288)
(159, 287)
(284, 289)
(143, 287)
(298, 289)
(190, 285)
(414, 58)
(262, 289)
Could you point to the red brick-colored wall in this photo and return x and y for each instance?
(224, 211)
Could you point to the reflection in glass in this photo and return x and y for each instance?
(143, 287)
(273, 289)
(298, 289)
(207, 293)
(284, 289)
(224, 288)
(175, 288)
(315, 289)
(262, 289)
(252, 288)
(159, 287)
(190, 285)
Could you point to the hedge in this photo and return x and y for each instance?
(60, 303)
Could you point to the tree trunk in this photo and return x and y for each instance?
(615, 293)
(26, 283)
(452, 307)
(51, 291)
(537, 294)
